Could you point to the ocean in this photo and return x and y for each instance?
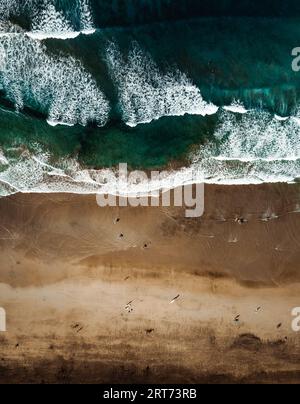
(203, 89)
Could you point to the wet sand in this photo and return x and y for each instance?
(69, 269)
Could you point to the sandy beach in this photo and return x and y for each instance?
(89, 291)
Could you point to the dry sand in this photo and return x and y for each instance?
(66, 277)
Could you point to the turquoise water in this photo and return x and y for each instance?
(146, 82)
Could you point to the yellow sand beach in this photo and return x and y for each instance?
(146, 295)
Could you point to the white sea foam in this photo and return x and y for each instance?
(58, 123)
(9, 6)
(250, 149)
(236, 107)
(46, 20)
(7, 28)
(50, 23)
(40, 36)
(257, 136)
(147, 94)
(86, 17)
(281, 118)
(296, 120)
(88, 31)
(3, 159)
(57, 85)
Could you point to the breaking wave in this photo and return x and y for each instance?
(56, 85)
(46, 19)
(147, 94)
(257, 135)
